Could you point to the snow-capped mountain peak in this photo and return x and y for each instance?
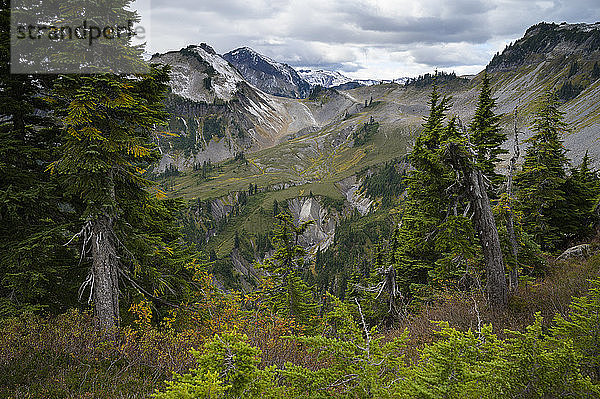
(267, 74)
(324, 78)
(200, 74)
(320, 77)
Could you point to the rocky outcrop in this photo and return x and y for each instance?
(350, 187)
(247, 274)
(222, 207)
(321, 232)
(578, 251)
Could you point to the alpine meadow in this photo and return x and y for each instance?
(369, 202)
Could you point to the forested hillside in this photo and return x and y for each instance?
(369, 243)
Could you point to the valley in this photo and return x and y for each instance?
(293, 148)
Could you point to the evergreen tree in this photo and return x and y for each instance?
(108, 122)
(581, 189)
(582, 327)
(471, 185)
(486, 133)
(425, 198)
(37, 271)
(425, 212)
(540, 183)
(289, 295)
(447, 184)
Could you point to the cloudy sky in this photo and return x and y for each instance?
(379, 39)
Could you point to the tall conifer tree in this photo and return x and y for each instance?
(582, 189)
(426, 202)
(540, 182)
(446, 186)
(485, 132)
(289, 295)
(108, 121)
(36, 270)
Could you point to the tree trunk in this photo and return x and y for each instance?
(105, 274)
(513, 274)
(597, 221)
(485, 225)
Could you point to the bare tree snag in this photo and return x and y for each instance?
(387, 285)
(484, 222)
(471, 178)
(513, 275)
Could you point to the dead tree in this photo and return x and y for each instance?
(105, 274)
(513, 275)
(387, 286)
(472, 185)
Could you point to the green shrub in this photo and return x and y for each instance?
(582, 326)
(355, 362)
(526, 365)
(227, 368)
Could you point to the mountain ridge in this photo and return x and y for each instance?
(272, 120)
(267, 74)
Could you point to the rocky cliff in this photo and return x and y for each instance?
(268, 75)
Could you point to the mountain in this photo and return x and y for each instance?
(282, 80)
(548, 40)
(217, 113)
(562, 59)
(371, 82)
(328, 79)
(200, 74)
(550, 57)
(320, 77)
(268, 75)
(367, 82)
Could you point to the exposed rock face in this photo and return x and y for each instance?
(578, 251)
(546, 41)
(321, 232)
(248, 275)
(268, 75)
(350, 187)
(222, 207)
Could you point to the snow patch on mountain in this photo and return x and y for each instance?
(320, 77)
(267, 74)
(328, 79)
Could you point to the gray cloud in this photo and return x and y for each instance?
(366, 37)
(229, 9)
(447, 56)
